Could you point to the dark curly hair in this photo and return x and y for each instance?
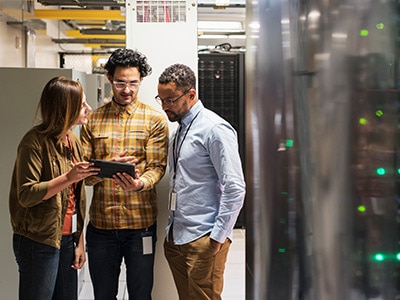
(128, 58)
(182, 75)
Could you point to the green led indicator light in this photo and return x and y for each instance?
(379, 257)
(380, 26)
(361, 208)
(398, 171)
(381, 171)
(379, 113)
(282, 250)
(289, 143)
(364, 32)
(362, 121)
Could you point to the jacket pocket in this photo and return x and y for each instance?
(44, 219)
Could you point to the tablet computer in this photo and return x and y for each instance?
(109, 168)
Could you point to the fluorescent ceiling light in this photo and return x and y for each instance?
(222, 2)
(213, 36)
(222, 36)
(219, 26)
(237, 36)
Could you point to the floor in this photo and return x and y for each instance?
(234, 287)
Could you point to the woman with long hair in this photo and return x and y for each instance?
(47, 196)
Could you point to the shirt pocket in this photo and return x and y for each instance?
(137, 142)
(101, 145)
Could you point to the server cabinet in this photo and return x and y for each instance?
(221, 88)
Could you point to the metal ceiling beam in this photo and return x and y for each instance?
(102, 46)
(78, 14)
(87, 41)
(16, 14)
(37, 25)
(119, 31)
(84, 3)
(109, 35)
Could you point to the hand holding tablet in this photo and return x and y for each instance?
(110, 168)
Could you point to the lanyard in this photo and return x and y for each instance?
(176, 151)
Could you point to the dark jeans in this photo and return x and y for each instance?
(106, 248)
(44, 271)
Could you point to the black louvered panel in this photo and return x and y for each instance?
(221, 89)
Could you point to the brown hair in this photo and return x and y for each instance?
(59, 106)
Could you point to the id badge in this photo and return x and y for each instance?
(172, 201)
(147, 241)
(74, 223)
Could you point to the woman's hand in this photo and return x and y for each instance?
(81, 170)
(80, 255)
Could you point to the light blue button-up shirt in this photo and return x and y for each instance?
(209, 182)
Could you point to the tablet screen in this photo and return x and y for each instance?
(109, 168)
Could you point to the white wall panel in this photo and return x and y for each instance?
(166, 32)
(10, 56)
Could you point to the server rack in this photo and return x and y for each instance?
(222, 89)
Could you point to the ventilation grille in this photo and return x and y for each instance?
(160, 11)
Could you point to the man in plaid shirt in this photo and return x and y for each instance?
(123, 211)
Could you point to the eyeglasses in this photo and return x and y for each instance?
(121, 85)
(170, 101)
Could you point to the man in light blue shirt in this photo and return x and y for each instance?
(207, 187)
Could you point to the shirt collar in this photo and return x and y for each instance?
(129, 108)
(192, 113)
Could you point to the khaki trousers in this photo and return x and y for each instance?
(198, 275)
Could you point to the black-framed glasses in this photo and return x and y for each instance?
(171, 101)
(120, 85)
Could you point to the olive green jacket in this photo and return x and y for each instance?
(40, 159)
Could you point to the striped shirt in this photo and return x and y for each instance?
(143, 132)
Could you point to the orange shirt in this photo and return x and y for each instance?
(67, 228)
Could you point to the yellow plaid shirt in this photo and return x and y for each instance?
(143, 132)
